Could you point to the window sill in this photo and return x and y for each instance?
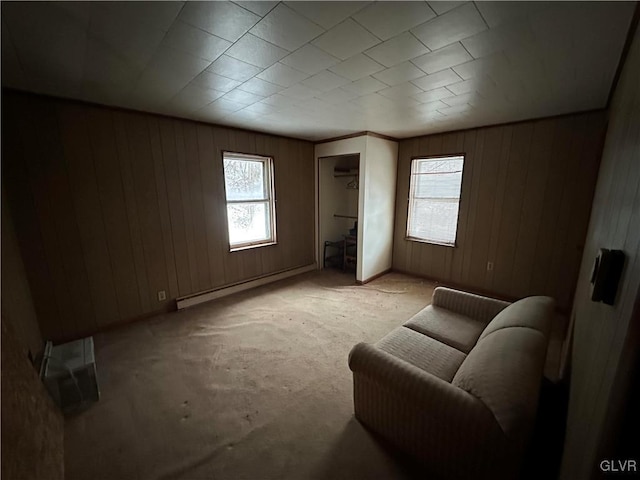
(430, 242)
(239, 248)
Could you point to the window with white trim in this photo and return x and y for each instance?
(251, 211)
(434, 199)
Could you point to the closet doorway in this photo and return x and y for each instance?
(339, 209)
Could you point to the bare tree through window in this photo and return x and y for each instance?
(250, 205)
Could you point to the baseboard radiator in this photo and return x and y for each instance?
(201, 297)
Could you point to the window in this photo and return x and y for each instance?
(251, 213)
(434, 198)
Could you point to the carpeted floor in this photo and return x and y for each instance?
(251, 386)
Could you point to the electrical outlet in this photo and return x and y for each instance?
(489, 266)
(162, 295)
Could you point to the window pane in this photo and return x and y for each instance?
(245, 179)
(438, 178)
(434, 220)
(248, 222)
(435, 199)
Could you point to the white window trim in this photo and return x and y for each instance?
(271, 199)
(411, 198)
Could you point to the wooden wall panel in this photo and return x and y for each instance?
(79, 161)
(526, 189)
(114, 206)
(26, 221)
(114, 211)
(606, 343)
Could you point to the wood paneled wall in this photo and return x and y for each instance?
(606, 340)
(112, 206)
(526, 195)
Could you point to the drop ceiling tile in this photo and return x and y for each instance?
(429, 106)
(260, 87)
(105, 69)
(223, 19)
(156, 86)
(285, 28)
(126, 36)
(337, 96)
(327, 15)
(346, 40)
(455, 110)
(300, 92)
(310, 60)
(373, 101)
(559, 58)
(433, 95)
(387, 19)
(399, 74)
(462, 87)
(222, 106)
(500, 38)
(436, 80)
(279, 101)
(213, 81)
(254, 50)
(483, 66)
(482, 84)
(357, 67)
(244, 117)
(282, 75)
(170, 59)
(325, 81)
(194, 97)
(496, 13)
(244, 98)
(258, 7)
(460, 99)
(48, 41)
(400, 91)
(451, 27)
(157, 14)
(397, 50)
(233, 68)
(262, 108)
(442, 59)
(365, 85)
(194, 41)
(441, 7)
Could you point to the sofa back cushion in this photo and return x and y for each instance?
(504, 371)
(530, 312)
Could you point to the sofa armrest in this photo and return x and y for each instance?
(436, 396)
(474, 306)
(427, 416)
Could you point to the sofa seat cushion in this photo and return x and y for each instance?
(423, 352)
(453, 329)
(530, 312)
(504, 371)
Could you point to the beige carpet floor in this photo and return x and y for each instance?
(251, 386)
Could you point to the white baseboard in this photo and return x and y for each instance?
(189, 301)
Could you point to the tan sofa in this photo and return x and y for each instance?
(457, 385)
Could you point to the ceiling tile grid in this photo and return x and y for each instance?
(319, 69)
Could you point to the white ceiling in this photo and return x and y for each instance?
(316, 70)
